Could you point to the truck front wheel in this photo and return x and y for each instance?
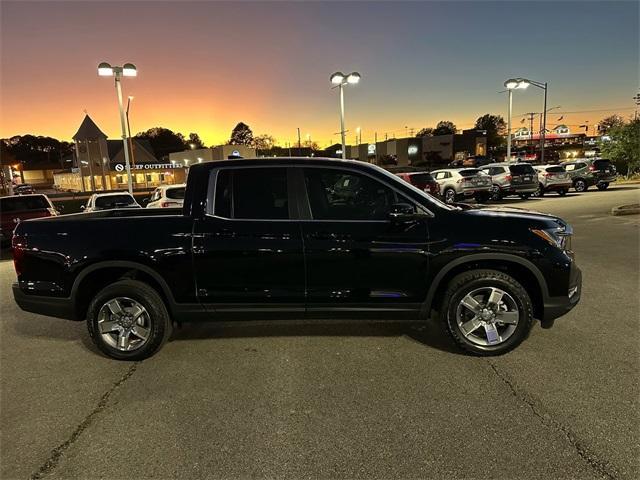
(128, 320)
(486, 312)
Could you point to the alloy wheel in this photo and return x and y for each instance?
(450, 196)
(487, 316)
(124, 324)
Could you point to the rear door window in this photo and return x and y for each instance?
(557, 169)
(521, 169)
(469, 172)
(601, 164)
(176, 193)
(252, 194)
(114, 201)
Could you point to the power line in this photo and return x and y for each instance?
(585, 111)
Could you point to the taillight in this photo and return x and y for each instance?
(19, 245)
(168, 204)
(592, 168)
(508, 178)
(548, 174)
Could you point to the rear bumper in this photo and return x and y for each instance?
(555, 307)
(558, 186)
(51, 306)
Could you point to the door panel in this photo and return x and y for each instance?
(357, 258)
(248, 251)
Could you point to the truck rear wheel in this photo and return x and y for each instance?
(128, 320)
(486, 312)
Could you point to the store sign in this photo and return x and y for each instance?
(412, 150)
(371, 149)
(119, 167)
(235, 153)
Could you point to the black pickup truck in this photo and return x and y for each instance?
(296, 238)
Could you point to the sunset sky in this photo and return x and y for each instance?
(205, 66)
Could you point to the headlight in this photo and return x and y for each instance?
(558, 237)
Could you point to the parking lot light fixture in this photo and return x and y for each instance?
(105, 70)
(339, 80)
(510, 85)
(128, 70)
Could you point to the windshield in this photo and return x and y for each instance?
(115, 201)
(521, 169)
(176, 193)
(20, 204)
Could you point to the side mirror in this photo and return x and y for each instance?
(402, 212)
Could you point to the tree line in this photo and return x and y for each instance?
(34, 150)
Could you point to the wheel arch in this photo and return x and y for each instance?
(524, 271)
(95, 277)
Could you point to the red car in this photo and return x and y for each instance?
(422, 180)
(22, 207)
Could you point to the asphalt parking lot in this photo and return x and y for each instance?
(342, 400)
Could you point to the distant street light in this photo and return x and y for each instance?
(127, 70)
(524, 83)
(510, 85)
(339, 80)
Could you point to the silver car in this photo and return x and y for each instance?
(459, 183)
(513, 178)
(553, 178)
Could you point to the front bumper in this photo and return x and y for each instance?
(555, 307)
(58, 307)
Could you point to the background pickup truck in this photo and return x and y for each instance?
(290, 238)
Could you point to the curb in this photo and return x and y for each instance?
(631, 209)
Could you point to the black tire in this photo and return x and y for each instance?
(159, 322)
(562, 192)
(580, 185)
(482, 197)
(495, 193)
(525, 196)
(467, 282)
(449, 195)
(603, 186)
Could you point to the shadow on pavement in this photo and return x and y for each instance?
(429, 333)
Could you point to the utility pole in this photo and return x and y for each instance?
(299, 145)
(533, 145)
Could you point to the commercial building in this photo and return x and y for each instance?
(100, 164)
(432, 152)
(221, 152)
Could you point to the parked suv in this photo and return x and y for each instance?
(295, 238)
(552, 178)
(167, 196)
(456, 184)
(511, 179)
(23, 207)
(422, 180)
(109, 201)
(587, 172)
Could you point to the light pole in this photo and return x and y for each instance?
(133, 159)
(544, 86)
(127, 70)
(510, 85)
(339, 80)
